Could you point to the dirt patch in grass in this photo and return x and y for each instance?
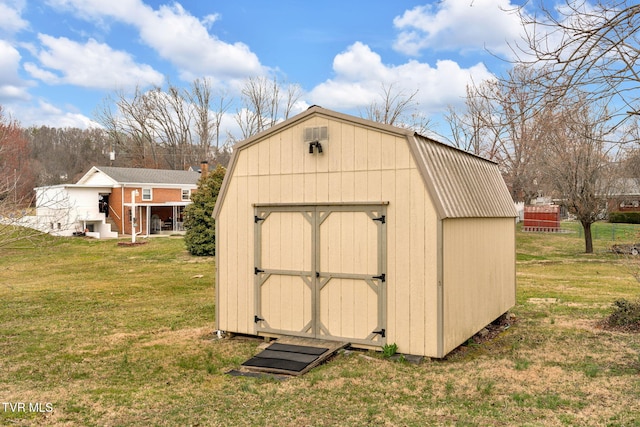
(138, 349)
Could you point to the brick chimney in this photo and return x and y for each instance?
(204, 169)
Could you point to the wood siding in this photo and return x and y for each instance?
(478, 275)
(358, 164)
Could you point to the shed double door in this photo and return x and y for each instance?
(320, 271)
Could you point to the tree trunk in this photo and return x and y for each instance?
(588, 239)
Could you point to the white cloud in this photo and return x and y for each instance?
(90, 64)
(11, 85)
(360, 75)
(182, 39)
(458, 25)
(11, 21)
(50, 115)
(177, 36)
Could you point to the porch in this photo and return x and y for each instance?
(157, 219)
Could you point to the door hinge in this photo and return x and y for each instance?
(382, 277)
(257, 319)
(256, 270)
(382, 332)
(257, 219)
(382, 219)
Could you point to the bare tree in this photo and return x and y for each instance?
(397, 108)
(170, 127)
(474, 130)
(594, 48)
(210, 111)
(127, 123)
(578, 161)
(265, 102)
(503, 122)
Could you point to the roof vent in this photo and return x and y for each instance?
(318, 133)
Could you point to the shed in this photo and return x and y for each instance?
(542, 218)
(334, 227)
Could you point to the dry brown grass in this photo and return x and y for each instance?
(130, 342)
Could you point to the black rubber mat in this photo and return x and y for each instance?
(297, 348)
(286, 357)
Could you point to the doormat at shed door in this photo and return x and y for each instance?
(286, 358)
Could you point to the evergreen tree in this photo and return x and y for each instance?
(200, 236)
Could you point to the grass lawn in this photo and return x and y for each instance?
(92, 333)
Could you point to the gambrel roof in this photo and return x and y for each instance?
(461, 184)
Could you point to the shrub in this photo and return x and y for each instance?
(626, 314)
(625, 217)
(200, 236)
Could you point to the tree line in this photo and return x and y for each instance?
(562, 122)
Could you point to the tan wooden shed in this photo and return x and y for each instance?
(334, 227)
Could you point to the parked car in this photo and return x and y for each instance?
(632, 249)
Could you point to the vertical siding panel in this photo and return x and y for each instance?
(489, 267)
(334, 146)
(264, 158)
(430, 268)
(360, 246)
(276, 295)
(222, 266)
(252, 160)
(299, 154)
(298, 188)
(310, 188)
(232, 260)
(403, 155)
(286, 153)
(275, 188)
(274, 155)
(374, 186)
(335, 251)
(374, 150)
(361, 185)
(322, 187)
(403, 235)
(348, 147)
(418, 260)
(335, 183)
(286, 189)
(349, 297)
(263, 189)
(361, 142)
(388, 194)
(388, 151)
(286, 255)
(245, 248)
(348, 186)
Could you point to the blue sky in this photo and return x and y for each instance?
(59, 59)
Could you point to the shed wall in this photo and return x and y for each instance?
(358, 165)
(482, 288)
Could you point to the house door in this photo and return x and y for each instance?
(320, 271)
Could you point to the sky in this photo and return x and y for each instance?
(61, 59)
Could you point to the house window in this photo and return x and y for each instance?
(146, 194)
(186, 194)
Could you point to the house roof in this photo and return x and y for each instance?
(145, 176)
(625, 187)
(461, 184)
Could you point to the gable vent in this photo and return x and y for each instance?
(318, 133)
